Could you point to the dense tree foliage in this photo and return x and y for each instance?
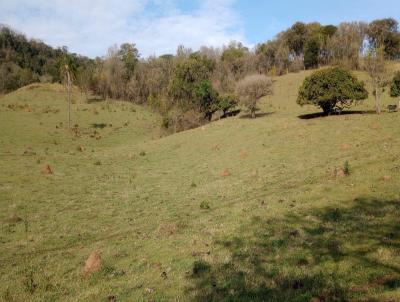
(233, 58)
(24, 61)
(311, 53)
(331, 89)
(188, 80)
(384, 33)
(194, 85)
(395, 85)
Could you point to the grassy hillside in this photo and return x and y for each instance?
(238, 210)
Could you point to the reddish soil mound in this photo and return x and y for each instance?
(93, 263)
(47, 170)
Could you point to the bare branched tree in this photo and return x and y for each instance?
(68, 84)
(377, 70)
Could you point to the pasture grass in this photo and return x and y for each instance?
(238, 210)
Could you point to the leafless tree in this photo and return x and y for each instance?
(250, 89)
(68, 84)
(376, 67)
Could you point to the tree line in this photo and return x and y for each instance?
(189, 87)
(24, 61)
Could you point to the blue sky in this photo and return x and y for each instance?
(264, 19)
(89, 27)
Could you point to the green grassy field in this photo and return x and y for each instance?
(237, 210)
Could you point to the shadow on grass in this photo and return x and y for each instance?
(231, 113)
(99, 125)
(95, 99)
(331, 254)
(321, 114)
(259, 114)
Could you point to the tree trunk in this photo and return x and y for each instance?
(208, 116)
(327, 107)
(253, 113)
(69, 99)
(377, 99)
(377, 103)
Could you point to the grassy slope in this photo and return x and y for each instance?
(279, 226)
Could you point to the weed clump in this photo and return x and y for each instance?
(13, 219)
(346, 168)
(204, 205)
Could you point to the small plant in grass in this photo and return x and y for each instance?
(29, 283)
(193, 184)
(346, 168)
(111, 272)
(142, 153)
(204, 205)
(97, 163)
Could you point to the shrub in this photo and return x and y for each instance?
(226, 103)
(250, 89)
(395, 86)
(204, 205)
(207, 99)
(331, 89)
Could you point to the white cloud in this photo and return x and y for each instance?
(90, 27)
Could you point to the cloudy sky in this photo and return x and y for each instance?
(89, 27)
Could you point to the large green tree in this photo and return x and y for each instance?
(331, 89)
(384, 33)
(190, 86)
(129, 54)
(233, 57)
(296, 38)
(311, 52)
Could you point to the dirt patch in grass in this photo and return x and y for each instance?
(93, 263)
(225, 173)
(46, 170)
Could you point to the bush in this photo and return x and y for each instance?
(207, 99)
(250, 89)
(226, 103)
(331, 89)
(204, 205)
(395, 86)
